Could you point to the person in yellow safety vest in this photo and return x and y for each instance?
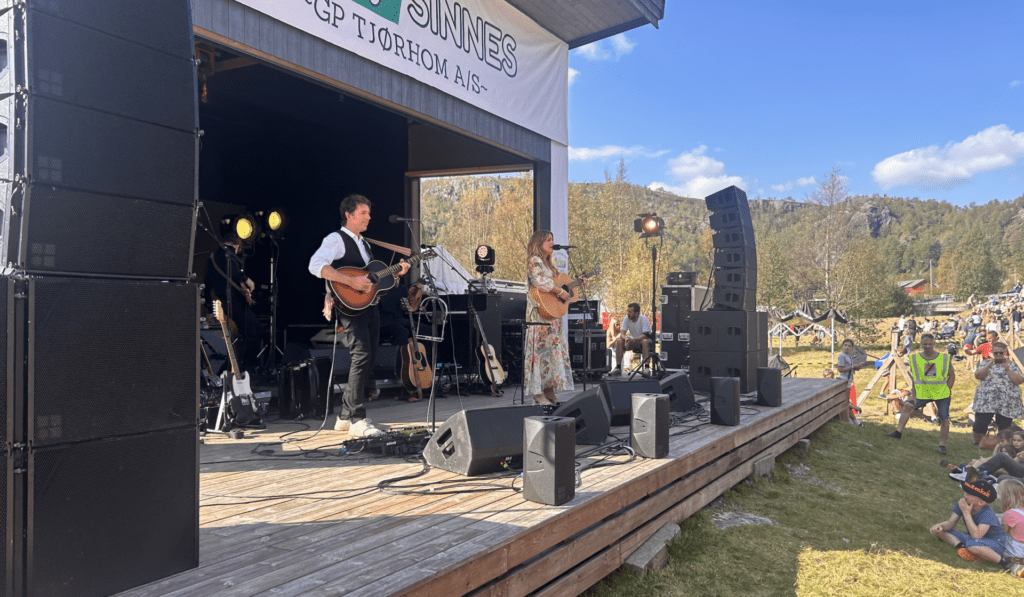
(933, 382)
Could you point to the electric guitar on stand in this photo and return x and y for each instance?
(237, 405)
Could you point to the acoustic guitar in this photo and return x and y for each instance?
(549, 305)
(490, 366)
(350, 301)
(417, 374)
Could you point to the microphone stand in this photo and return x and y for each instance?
(587, 332)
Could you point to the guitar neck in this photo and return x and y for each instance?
(231, 350)
(391, 270)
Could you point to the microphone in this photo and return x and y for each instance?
(398, 219)
(560, 247)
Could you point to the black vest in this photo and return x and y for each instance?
(352, 257)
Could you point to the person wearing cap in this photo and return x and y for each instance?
(985, 536)
(933, 383)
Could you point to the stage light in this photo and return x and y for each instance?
(243, 227)
(648, 225)
(484, 259)
(274, 222)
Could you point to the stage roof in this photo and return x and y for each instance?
(580, 22)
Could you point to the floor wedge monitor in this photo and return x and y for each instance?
(475, 442)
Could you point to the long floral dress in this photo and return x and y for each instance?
(547, 354)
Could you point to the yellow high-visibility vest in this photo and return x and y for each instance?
(930, 376)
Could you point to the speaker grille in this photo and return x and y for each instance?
(141, 372)
(130, 20)
(139, 238)
(5, 362)
(162, 86)
(113, 514)
(104, 153)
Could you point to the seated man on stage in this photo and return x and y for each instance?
(636, 330)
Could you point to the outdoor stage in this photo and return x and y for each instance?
(319, 526)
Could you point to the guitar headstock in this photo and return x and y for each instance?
(218, 312)
(428, 254)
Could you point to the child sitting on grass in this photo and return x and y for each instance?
(1011, 496)
(985, 536)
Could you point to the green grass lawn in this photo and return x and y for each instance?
(851, 516)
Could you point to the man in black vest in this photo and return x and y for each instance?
(361, 333)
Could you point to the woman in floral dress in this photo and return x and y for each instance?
(546, 367)
(998, 393)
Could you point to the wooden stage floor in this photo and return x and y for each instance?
(310, 525)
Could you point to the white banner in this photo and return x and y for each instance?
(484, 52)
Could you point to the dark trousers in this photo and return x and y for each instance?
(361, 335)
(1002, 460)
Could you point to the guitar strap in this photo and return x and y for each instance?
(235, 285)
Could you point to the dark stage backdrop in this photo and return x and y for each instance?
(274, 140)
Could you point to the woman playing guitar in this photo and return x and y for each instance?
(546, 366)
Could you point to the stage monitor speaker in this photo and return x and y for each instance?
(745, 257)
(742, 364)
(769, 386)
(681, 278)
(680, 392)
(591, 413)
(549, 460)
(729, 199)
(106, 155)
(729, 331)
(475, 442)
(648, 427)
(725, 401)
(111, 358)
(111, 514)
(619, 394)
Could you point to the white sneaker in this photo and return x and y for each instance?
(616, 372)
(365, 428)
(341, 424)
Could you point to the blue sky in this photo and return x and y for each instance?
(908, 98)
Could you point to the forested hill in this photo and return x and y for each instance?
(974, 249)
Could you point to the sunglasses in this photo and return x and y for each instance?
(998, 354)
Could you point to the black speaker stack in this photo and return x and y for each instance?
(676, 310)
(730, 339)
(98, 170)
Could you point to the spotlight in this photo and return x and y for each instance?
(484, 259)
(244, 227)
(274, 222)
(648, 225)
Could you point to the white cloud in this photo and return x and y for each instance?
(790, 184)
(572, 75)
(697, 175)
(584, 154)
(991, 149)
(1015, 83)
(620, 45)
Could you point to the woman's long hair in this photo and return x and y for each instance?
(534, 248)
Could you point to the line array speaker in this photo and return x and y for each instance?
(648, 428)
(100, 369)
(729, 331)
(110, 138)
(725, 401)
(620, 396)
(475, 442)
(735, 258)
(590, 411)
(549, 460)
(112, 514)
(769, 386)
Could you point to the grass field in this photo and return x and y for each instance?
(851, 516)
